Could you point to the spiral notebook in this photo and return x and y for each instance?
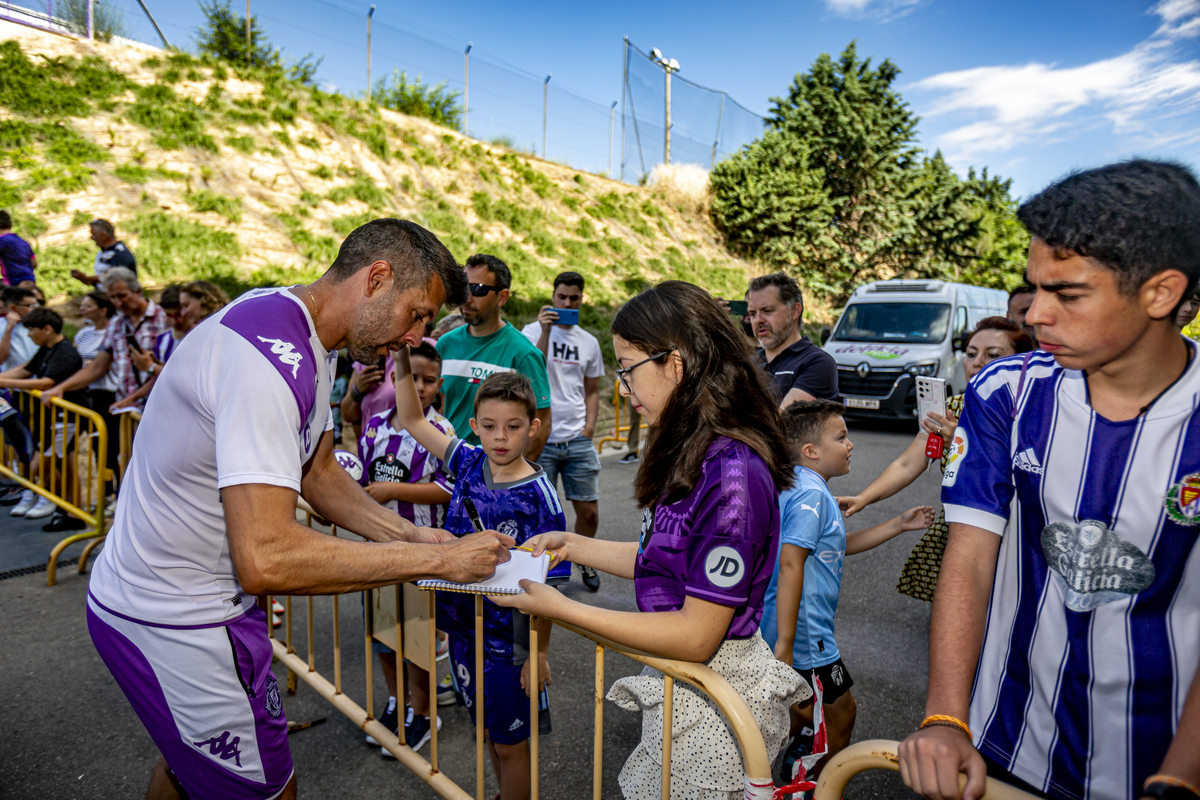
(506, 580)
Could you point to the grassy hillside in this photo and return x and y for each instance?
(248, 179)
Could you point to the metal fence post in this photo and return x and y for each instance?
(466, 86)
(545, 110)
(370, 14)
(91, 20)
(611, 112)
(624, 92)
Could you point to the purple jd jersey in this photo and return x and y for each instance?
(718, 543)
(520, 509)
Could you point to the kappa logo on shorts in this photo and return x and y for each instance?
(724, 567)
(272, 700)
(224, 748)
(286, 352)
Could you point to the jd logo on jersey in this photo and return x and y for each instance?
(1093, 565)
(286, 352)
(724, 567)
(223, 747)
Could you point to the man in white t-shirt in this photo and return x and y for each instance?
(575, 365)
(237, 428)
(16, 348)
(1063, 646)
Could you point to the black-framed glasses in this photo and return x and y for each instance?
(623, 374)
(481, 289)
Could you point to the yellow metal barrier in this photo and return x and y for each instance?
(621, 411)
(882, 754)
(69, 443)
(127, 427)
(384, 622)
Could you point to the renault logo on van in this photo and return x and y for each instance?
(863, 369)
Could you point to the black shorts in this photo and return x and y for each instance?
(835, 680)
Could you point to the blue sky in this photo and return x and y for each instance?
(1028, 89)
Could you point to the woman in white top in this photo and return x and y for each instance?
(98, 310)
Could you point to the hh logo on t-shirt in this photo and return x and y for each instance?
(564, 352)
(724, 567)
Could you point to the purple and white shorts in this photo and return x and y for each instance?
(206, 696)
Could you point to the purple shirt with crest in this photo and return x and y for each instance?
(718, 543)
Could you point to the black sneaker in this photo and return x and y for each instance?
(390, 719)
(799, 747)
(628, 458)
(417, 731)
(63, 522)
(591, 578)
(11, 495)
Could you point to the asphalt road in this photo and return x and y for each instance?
(69, 733)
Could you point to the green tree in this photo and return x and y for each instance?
(436, 103)
(855, 198)
(223, 36)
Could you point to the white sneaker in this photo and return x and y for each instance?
(44, 508)
(28, 500)
(277, 607)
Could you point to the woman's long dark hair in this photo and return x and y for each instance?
(722, 391)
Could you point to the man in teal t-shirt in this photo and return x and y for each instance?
(488, 344)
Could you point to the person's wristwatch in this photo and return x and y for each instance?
(153, 370)
(1162, 790)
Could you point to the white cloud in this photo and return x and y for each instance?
(884, 10)
(1142, 92)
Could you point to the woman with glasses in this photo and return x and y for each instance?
(708, 483)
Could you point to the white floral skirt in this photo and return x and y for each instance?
(705, 761)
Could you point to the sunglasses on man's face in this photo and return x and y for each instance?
(482, 289)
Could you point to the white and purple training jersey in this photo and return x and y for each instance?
(394, 456)
(164, 345)
(1093, 628)
(244, 399)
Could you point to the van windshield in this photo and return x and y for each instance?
(907, 323)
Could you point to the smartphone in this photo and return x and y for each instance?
(737, 308)
(931, 397)
(132, 341)
(567, 316)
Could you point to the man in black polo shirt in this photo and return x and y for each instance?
(798, 368)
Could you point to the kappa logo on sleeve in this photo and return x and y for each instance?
(955, 456)
(349, 462)
(724, 567)
(286, 352)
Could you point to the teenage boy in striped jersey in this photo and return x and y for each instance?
(1065, 636)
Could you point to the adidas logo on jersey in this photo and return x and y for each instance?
(1027, 460)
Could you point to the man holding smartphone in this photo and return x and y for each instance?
(575, 365)
(135, 328)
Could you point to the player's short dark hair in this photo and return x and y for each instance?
(1024, 288)
(569, 279)
(12, 295)
(5, 221)
(426, 350)
(499, 268)
(41, 316)
(509, 387)
(104, 226)
(415, 254)
(804, 420)
(170, 296)
(789, 290)
(1137, 218)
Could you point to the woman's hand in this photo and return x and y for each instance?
(916, 519)
(543, 674)
(554, 543)
(128, 402)
(538, 598)
(851, 505)
(942, 426)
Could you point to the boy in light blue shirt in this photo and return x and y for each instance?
(802, 598)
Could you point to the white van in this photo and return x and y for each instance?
(892, 331)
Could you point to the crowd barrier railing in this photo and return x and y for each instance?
(622, 420)
(883, 754)
(68, 466)
(412, 634)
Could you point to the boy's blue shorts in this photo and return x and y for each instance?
(505, 704)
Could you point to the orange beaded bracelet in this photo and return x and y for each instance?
(948, 721)
(1171, 781)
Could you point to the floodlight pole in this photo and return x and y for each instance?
(612, 110)
(249, 51)
(370, 13)
(624, 93)
(91, 11)
(466, 85)
(669, 65)
(545, 110)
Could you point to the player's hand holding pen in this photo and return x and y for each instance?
(473, 558)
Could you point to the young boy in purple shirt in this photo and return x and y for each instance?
(401, 474)
(17, 258)
(511, 495)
